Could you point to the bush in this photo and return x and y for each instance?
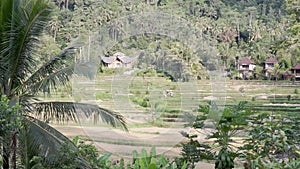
(103, 95)
(271, 144)
(289, 97)
(66, 158)
(149, 72)
(10, 118)
(87, 156)
(272, 140)
(144, 102)
(153, 161)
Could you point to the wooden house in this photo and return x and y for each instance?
(246, 67)
(296, 71)
(118, 60)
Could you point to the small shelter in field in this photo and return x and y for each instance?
(118, 60)
(246, 67)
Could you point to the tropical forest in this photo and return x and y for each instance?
(149, 84)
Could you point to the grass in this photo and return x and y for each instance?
(101, 95)
(127, 142)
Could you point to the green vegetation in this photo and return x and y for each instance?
(222, 149)
(273, 144)
(10, 124)
(255, 29)
(257, 140)
(234, 137)
(67, 159)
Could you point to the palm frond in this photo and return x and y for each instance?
(5, 15)
(68, 111)
(27, 21)
(27, 146)
(55, 111)
(50, 81)
(44, 136)
(61, 77)
(26, 101)
(39, 137)
(56, 71)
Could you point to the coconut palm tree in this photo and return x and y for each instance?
(276, 71)
(22, 77)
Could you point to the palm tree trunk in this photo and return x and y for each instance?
(89, 48)
(14, 149)
(67, 4)
(5, 156)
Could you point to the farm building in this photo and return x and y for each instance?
(118, 60)
(296, 71)
(245, 67)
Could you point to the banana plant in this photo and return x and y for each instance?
(153, 161)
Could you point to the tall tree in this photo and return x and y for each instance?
(293, 8)
(22, 77)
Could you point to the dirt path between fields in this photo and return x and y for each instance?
(121, 144)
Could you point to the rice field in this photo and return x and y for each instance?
(157, 99)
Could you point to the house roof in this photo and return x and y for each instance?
(271, 60)
(120, 56)
(297, 67)
(246, 61)
(127, 59)
(108, 59)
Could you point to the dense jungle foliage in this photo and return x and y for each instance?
(257, 29)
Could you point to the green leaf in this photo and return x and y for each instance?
(104, 158)
(163, 161)
(66, 111)
(153, 160)
(144, 159)
(153, 152)
(185, 165)
(152, 166)
(76, 140)
(134, 154)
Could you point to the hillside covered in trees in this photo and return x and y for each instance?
(256, 29)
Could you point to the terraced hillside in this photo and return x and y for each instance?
(149, 99)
